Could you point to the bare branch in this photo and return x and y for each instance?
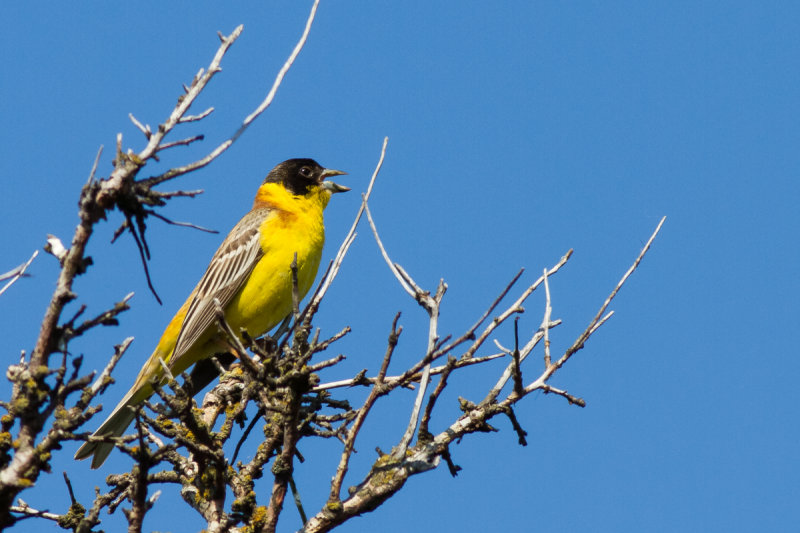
(470, 333)
(516, 370)
(25, 509)
(182, 224)
(404, 282)
(102, 380)
(194, 118)
(333, 269)
(279, 78)
(198, 84)
(17, 273)
(182, 142)
(547, 389)
(548, 311)
(404, 380)
(376, 391)
(144, 129)
(599, 318)
(514, 308)
(178, 171)
(432, 306)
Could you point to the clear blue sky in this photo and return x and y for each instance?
(517, 130)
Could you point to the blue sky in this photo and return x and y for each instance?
(517, 130)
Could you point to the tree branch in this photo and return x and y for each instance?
(16, 273)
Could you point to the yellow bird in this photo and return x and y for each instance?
(250, 275)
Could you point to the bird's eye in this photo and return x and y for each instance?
(305, 172)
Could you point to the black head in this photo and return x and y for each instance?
(300, 175)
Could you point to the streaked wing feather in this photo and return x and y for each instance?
(227, 272)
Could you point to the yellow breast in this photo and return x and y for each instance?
(294, 226)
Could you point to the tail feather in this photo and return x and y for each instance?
(114, 426)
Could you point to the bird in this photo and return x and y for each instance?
(251, 277)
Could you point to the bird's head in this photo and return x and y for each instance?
(303, 176)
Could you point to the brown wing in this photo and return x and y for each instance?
(227, 272)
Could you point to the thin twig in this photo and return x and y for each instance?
(404, 379)
(194, 118)
(431, 305)
(599, 318)
(69, 487)
(336, 264)
(514, 308)
(548, 311)
(433, 337)
(182, 224)
(375, 392)
(523, 353)
(392, 266)
(28, 511)
(102, 380)
(144, 256)
(178, 171)
(547, 389)
(297, 502)
(281, 73)
(144, 129)
(470, 333)
(181, 142)
(424, 433)
(389, 474)
(198, 84)
(17, 273)
(517, 369)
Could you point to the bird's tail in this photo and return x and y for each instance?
(114, 426)
(124, 413)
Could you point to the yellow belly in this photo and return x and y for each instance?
(294, 226)
(266, 298)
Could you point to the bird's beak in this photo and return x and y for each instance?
(330, 185)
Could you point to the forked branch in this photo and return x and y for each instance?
(389, 473)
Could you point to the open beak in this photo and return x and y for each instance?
(331, 186)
